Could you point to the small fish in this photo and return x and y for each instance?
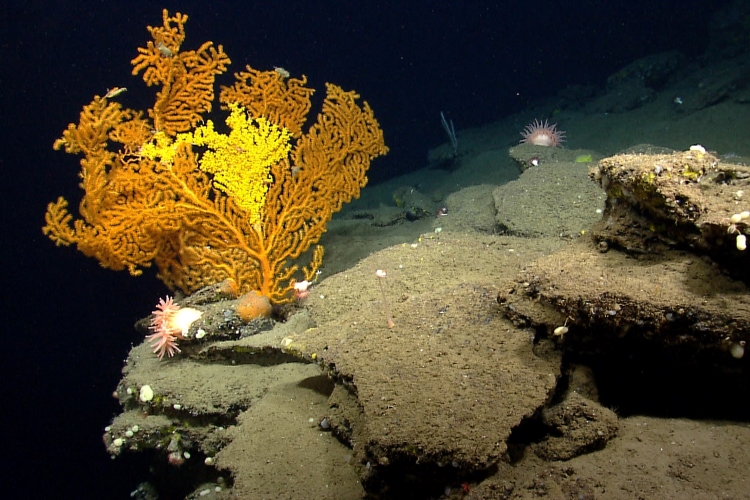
(114, 92)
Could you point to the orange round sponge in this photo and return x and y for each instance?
(253, 305)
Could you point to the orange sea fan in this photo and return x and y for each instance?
(141, 209)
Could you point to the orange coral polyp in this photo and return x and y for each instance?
(229, 288)
(253, 305)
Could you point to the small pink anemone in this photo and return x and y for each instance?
(164, 338)
(543, 134)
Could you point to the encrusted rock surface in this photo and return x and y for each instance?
(674, 200)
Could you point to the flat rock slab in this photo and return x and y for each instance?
(443, 388)
(555, 198)
(676, 300)
(276, 449)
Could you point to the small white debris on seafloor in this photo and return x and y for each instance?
(737, 350)
(741, 242)
(146, 394)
